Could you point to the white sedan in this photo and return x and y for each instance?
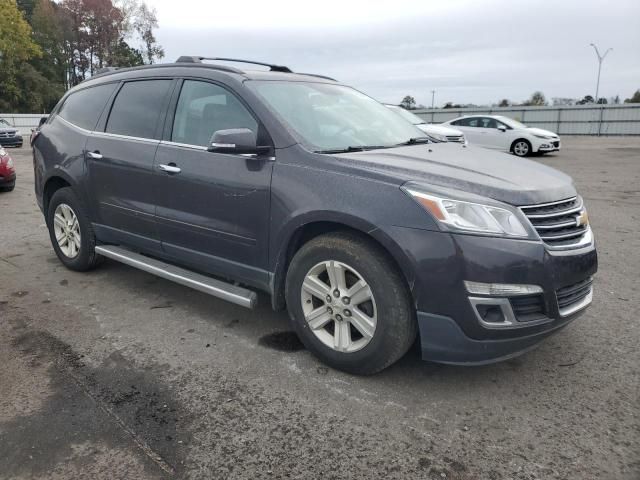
(439, 133)
(504, 133)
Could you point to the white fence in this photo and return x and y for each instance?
(571, 120)
(24, 122)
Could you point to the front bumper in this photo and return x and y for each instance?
(450, 328)
(15, 141)
(443, 341)
(549, 146)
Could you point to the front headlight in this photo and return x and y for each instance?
(469, 217)
(438, 137)
(544, 137)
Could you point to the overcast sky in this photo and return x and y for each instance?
(468, 51)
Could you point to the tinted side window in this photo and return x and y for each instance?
(204, 108)
(83, 108)
(137, 108)
(465, 122)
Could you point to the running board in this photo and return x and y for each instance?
(217, 288)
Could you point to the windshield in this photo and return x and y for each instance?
(512, 123)
(329, 117)
(407, 115)
(3, 122)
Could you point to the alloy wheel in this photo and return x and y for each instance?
(67, 230)
(339, 306)
(521, 149)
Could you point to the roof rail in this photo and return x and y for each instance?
(318, 76)
(273, 68)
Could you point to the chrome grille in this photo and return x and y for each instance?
(7, 134)
(559, 224)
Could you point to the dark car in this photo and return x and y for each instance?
(7, 172)
(230, 181)
(9, 135)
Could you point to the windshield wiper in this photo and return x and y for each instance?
(416, 141)
(352, 148)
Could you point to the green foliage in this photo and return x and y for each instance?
(537, 100)
(65, 42)
(408, 103)
(635, 98)
(586, 100)
(16, 46)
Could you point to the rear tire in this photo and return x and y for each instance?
(365, 326)
(70, 231)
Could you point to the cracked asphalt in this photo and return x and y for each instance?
(117, 374)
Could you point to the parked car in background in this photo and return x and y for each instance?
(231, 180)
(9, 135)
(438, 133)
(7, 172)
(504, 133)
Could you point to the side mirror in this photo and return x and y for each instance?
(42, 121)
(234, 141)
(502, 128)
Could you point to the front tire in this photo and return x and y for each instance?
(349, 304)
(70, 231)
(521, 147)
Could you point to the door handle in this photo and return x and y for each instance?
(169, 168)
(96, 155)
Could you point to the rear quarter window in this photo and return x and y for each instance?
(83, 108)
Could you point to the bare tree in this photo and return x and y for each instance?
(144, 23)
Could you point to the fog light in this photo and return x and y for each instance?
(490, 313)
(501, 289)
(493, 312)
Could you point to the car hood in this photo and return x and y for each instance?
(8, 129)
(439, 129)
(540, 131)
(491, 174)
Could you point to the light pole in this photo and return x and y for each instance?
(433, 96)
(600, 60)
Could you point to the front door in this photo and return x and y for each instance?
(213, 208)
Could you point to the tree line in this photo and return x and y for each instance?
(537, 99)
(47, 47)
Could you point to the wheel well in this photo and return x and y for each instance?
(52, 186)
(513, 144)
(303, 235)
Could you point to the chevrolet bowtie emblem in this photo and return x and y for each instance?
(582, 219)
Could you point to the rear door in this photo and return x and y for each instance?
(119, 158)
(213, 208)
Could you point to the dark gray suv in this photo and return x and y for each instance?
(231, 181)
